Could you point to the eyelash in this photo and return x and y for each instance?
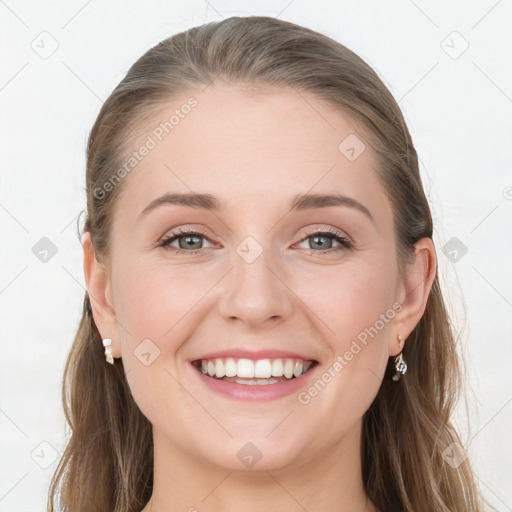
(333, 233)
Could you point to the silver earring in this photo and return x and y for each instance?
(400, 364)
(108, 351)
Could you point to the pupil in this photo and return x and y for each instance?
(321, 237)
(189, 244)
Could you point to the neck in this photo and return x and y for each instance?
(330, 480)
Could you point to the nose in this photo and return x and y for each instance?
(255, 293)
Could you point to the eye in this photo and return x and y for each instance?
(188, 241)
(323, 239)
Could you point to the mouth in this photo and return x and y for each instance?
(258, 372)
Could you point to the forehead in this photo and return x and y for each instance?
(249, 147)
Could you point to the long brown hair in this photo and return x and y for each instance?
(108, 462)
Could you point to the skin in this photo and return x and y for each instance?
(255, 151)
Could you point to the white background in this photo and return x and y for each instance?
(458, 108)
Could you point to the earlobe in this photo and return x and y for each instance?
(415, 290)
(99, 290)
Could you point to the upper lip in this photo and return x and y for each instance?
(270, 353)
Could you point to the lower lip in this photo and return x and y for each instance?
(255, 393)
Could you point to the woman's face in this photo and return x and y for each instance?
(254, 281)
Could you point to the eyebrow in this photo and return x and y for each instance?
(299, 203)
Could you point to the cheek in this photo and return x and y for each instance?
(155, 300)
(349, 299)
(155, 306)
(354, 311)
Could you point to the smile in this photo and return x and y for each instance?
(253, 372)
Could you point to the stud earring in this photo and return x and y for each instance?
(108, 351)
(400, 364)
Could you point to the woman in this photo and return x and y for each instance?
(262, 280)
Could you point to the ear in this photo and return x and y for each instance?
(413, 292)
(100, 296)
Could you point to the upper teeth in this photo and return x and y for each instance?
(261, 368)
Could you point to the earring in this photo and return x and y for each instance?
(108, 351)
(400, 364)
